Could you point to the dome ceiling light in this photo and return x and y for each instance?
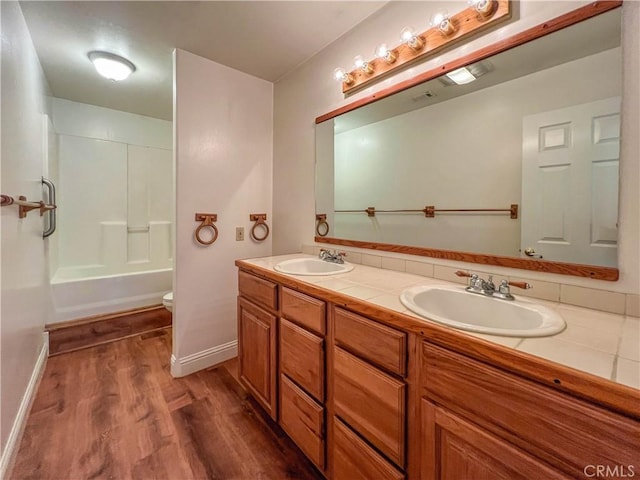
(111, 66)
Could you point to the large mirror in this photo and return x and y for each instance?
(521, 162)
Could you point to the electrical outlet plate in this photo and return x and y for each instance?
(239, 234)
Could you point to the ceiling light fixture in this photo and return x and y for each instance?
(461, 76)
(111, 66)
(467, 74)
(444, 29)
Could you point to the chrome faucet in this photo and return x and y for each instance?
(333, 257)
(488, 288)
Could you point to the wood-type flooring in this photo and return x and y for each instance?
(114, 412)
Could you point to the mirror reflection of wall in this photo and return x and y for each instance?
(467, 152)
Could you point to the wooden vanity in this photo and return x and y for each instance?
(369, 393)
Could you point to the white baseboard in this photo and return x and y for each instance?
(181, 367)
(13, 442)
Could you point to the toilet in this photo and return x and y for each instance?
(167, 301)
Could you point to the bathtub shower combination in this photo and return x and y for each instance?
(112, 250)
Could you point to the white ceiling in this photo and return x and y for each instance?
(263, 38)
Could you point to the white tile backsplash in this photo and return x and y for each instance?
(396, 264)
(372, 260)
(419, 268)
(542, 290)
(613, 302)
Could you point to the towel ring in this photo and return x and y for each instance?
(322, 227)
(207, 220)
(260, 220)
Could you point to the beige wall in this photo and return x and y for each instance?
(310, 91)
(24, 285)
(223, 164)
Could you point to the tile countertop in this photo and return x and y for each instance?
(599, 343)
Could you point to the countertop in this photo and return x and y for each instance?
(599, 343)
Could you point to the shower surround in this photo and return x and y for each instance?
(114, 172)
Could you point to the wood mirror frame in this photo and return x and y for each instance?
(558, 23)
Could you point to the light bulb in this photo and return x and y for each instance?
(383, 53)
(483, 7)
(410, 37)
(442, 21)
(362, 64)
(111, 66)
(340, 75)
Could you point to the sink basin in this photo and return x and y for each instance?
(460, 309)
(312, 266)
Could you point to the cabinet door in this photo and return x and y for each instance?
(454, 449)
(257, 353)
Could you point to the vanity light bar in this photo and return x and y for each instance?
(449, 29)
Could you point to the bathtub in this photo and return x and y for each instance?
(76, 296)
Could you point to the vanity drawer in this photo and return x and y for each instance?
(304, 310)
(371, 402)
(258, 290)
(562, 430)
(377, 343)
(303, 419)
(353, 459)
(302, 358)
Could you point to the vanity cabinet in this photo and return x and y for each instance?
(480, 418)
(367, 395)
(454, 448)
(257, 353)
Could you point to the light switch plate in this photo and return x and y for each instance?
(239, 234)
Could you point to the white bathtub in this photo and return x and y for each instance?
(76, 297)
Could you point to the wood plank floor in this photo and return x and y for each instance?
(114, 412)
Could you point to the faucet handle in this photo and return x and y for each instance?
(460, 273)
(523, 285)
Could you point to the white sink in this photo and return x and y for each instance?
(312, 266)
(460, 309)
